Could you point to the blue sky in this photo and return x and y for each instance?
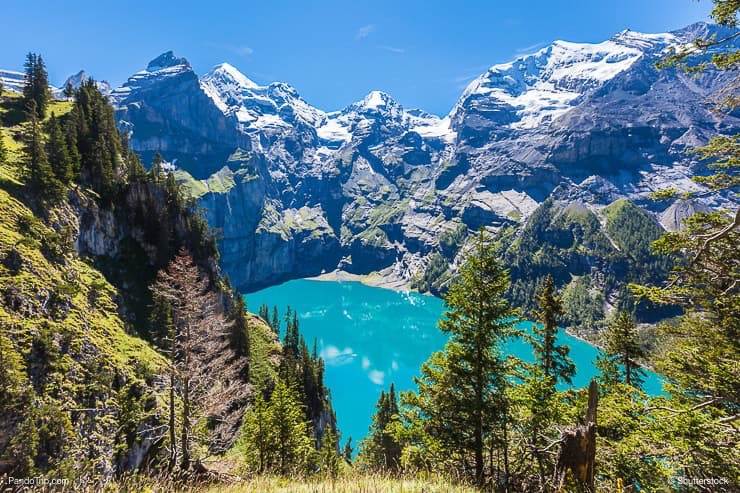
(423, 53)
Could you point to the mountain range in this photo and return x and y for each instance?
(375, 187)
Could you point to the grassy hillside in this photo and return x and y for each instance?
(79, 385)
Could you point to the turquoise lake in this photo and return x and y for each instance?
(370, 337)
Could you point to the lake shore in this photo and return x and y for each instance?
(376, 279)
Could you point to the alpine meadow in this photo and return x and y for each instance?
(209, 284)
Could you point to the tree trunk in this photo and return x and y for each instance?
(577, 452)
(185, 443)
(173, 432)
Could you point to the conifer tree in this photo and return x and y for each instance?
(57, 151)
(381, 449)
(39, 175)
(275, 323)
(462, 394)
(156, 171)
(257, 439)
(330, 459)
(69, 91)
(205, 369)
(292, 445)
(36, 85)
(264, 313)
(347, 451)
(552, 359)
(97, 141)
(551, 366)
(623, 349)
(240, 329)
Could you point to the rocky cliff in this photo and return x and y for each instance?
(296, 191)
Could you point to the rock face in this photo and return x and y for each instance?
(374, 186)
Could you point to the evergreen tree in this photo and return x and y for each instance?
(96, 139)
(623, 349)
(330, 459)
(275, 323)
(274, 437)
(257, 439)
(292, 445)
(264, 314)
(551, 366)
(36, 85)
(156, 171)
(39, 175)
(240, 329)
(381, 448)
(462, 396)
(57, 151)
(552, 359)
(347, 451)
(69, 91)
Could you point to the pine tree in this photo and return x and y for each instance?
(96, 140)
(156, 171)
(56, 148)
(623, 349)
(69, 91)
(551, 366)
(347, 451)
(275, 323)
(36, 85)
(39, 175)
(552, 359)
(264, 313)
(292, 444)
(205, 369)
(381, 449)
(462, 394)
(257, 439)
(240, 330)
(330, 459)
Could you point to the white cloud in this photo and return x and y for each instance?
(364, 31)
(393, 49)
(377, 377)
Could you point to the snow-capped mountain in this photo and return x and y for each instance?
(14, 81)
(541, 87)
(295, 189)
(255, 106)
(80, 77)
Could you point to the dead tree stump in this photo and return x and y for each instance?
(577, 452)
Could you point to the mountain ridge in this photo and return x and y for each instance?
(374, 187)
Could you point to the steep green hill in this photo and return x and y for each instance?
(76, 386)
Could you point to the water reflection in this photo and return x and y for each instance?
(370, 337)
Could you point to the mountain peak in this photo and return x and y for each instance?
(166, 60)
(229, 71)
(376, 99)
